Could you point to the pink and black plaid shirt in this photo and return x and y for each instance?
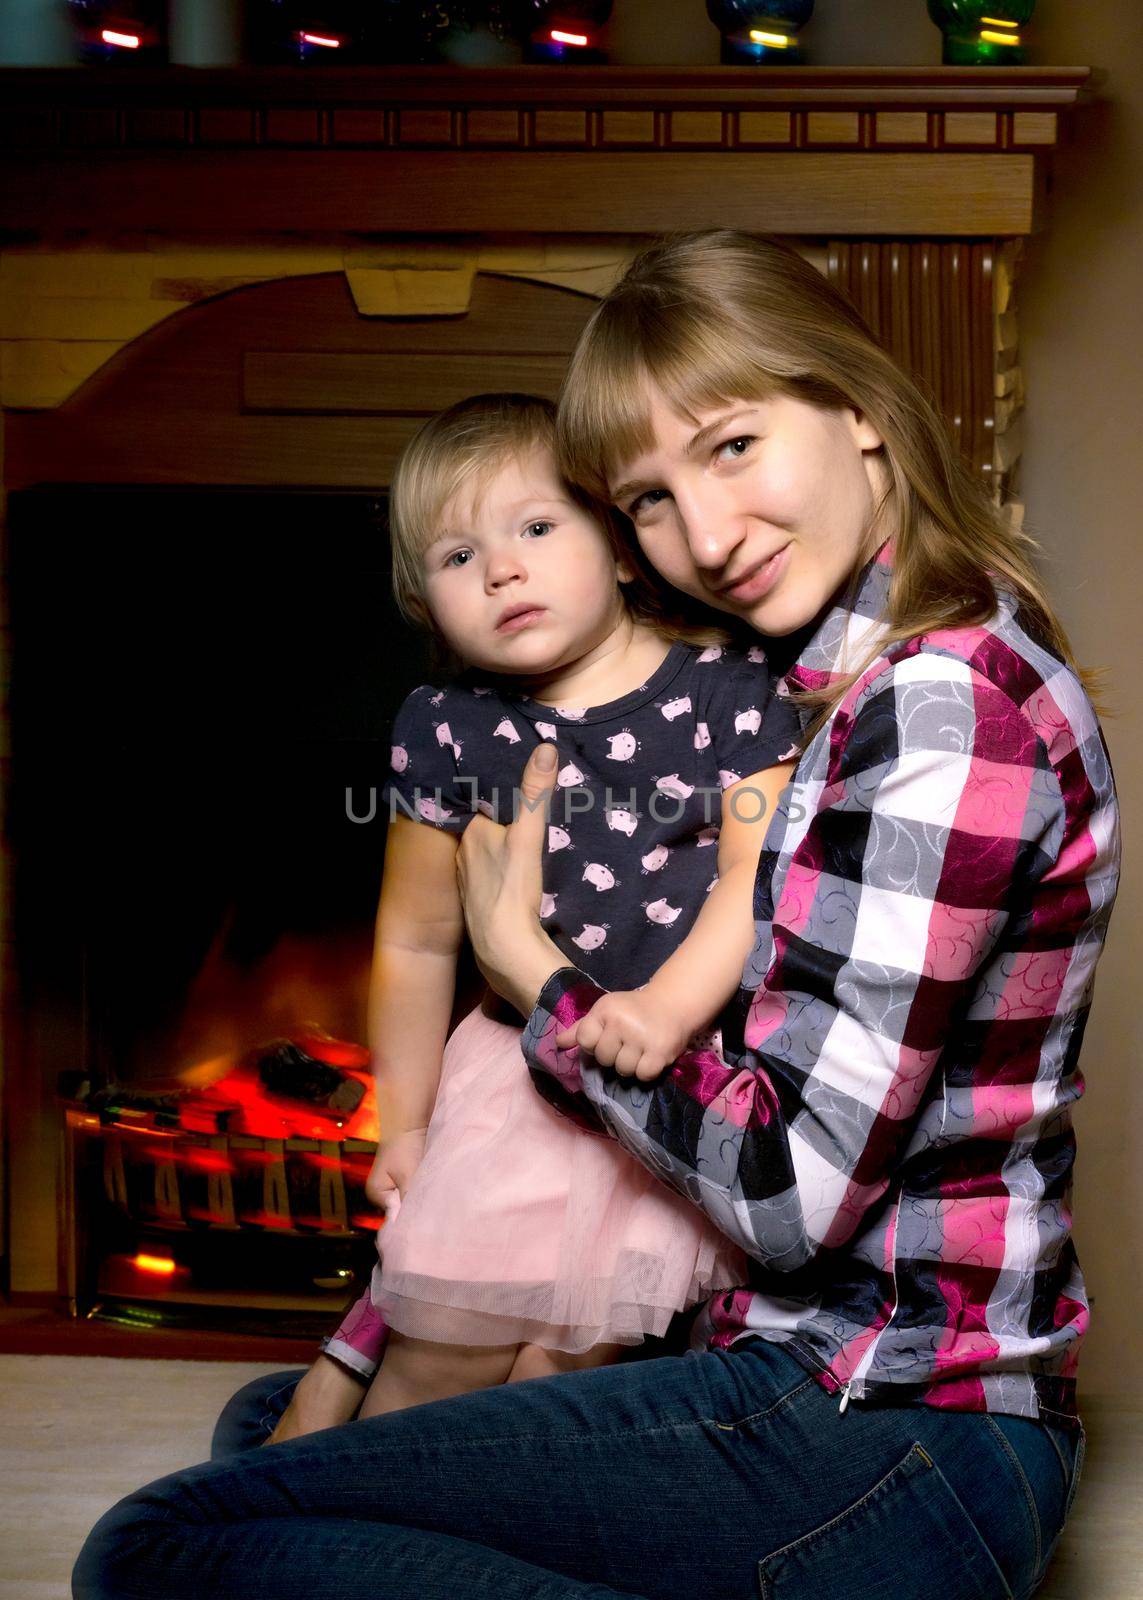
(888, 1134)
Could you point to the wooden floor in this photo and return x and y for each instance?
(77, 1433)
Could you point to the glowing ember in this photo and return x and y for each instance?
(162, 1266)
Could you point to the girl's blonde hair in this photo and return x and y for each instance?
(461, 449)
(714, 317)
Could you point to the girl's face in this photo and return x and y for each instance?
(758, 508)
(521, 580)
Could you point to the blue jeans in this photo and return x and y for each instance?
(729, 1474)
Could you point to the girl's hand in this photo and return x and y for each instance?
(499, 871)
(393, 1167)
(635, 1031)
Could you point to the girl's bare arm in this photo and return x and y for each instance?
(419, 933)
(649, 1027)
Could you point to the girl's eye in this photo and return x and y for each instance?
(737, 447)
(459, 558)
(537, 530)
(645, 501)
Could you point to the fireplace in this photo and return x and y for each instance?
(201, 689)
(197, 443)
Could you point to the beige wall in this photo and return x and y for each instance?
(1081, 313)
(1082, 333)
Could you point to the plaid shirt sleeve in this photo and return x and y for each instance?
(921, 819)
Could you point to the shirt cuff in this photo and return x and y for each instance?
(567, 996)
(359, 1343)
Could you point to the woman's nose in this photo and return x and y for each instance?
(711, 530)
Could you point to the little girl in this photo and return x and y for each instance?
(517, 1244)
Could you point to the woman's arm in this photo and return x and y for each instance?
(641, 1031)
(500, 871)
(923, 830)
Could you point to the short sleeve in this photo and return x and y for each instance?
(751, 725)
(424, 782)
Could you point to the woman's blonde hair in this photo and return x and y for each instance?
(461, 449)
(714, 317)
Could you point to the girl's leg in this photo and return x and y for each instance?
(664, 1479)
(418, 1371)
(533, 1361)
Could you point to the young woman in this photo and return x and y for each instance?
(887, 1407)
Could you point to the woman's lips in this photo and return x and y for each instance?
(522, 619)
(759, 582)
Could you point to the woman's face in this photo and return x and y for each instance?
(758, 508)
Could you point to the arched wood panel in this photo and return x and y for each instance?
(284, 384)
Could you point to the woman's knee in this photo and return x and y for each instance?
(103, 1567)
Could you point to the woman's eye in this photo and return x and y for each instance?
(646, 501)
(459, 558)
(537, 530)
(736, 447)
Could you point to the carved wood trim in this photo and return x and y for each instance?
(411, 149)
(32, 90)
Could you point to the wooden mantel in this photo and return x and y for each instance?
(865, 152)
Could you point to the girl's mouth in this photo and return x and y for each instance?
(518, 619)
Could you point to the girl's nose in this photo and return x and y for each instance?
(503, 566)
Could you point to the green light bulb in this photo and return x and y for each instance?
(982, 33)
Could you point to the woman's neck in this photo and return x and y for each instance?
(618, 664)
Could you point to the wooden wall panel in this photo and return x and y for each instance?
(400, 384)
(932, 305)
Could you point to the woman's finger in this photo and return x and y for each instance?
(528, 831)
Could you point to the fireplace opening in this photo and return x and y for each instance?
(203, 682)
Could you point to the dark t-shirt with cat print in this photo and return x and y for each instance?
(633, 832)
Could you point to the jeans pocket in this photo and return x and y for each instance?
(909, 1534)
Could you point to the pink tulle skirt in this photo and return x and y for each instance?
(519, 1226)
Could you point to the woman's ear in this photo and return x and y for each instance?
(865, 435)
(624, 569)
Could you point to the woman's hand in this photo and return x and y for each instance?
(499, 870)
